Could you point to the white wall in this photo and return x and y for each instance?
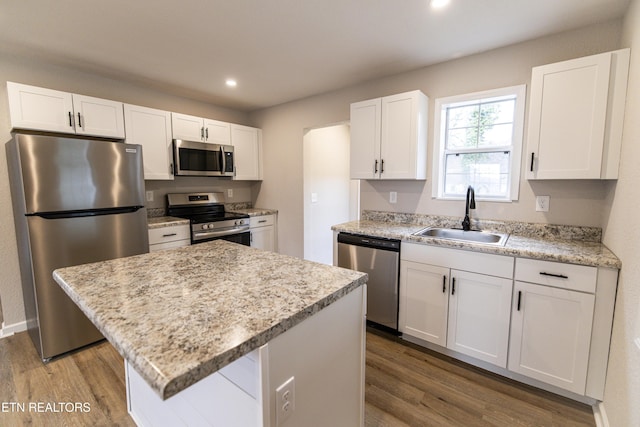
(327, 189)
(622, 236)
(575, 203)
(42, 73)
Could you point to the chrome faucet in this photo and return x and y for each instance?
(471, 204)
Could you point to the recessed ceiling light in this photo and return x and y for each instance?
(231, 83)
(439, 4)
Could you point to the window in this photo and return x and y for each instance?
(478, 139)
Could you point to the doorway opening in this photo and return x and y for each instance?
(330, 195)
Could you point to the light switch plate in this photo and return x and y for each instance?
(393, 197)
(149, 195)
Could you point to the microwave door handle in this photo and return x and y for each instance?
(223, 162)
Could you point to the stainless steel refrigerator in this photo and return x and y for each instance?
(75, 201)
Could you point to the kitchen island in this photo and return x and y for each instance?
(217, 332)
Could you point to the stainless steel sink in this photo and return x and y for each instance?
(473, 236)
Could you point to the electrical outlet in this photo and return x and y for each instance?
(149, 195)
(230, 193)
(542, 203)
(285, 400)
(393, 197)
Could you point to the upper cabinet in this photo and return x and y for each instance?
(247, 149)
(192, 128)
(152, 129)
(50, 110)
(389, 137)
(576, 117)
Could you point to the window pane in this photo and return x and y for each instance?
(462, 138)
(496, 136)
(462, 117)
(488, 173)
(501, 111)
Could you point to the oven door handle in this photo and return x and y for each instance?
(207, 234)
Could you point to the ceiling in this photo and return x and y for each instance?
(278, 50)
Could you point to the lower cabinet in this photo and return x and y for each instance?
(465, 311)
(479, 312)
(544, 323)
(263, 232)
(552, 323)
(169, 237)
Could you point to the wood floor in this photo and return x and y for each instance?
(405, 386)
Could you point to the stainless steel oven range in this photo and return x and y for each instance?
(209, 221)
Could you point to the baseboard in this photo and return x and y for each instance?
(600, 415)
(8, 330)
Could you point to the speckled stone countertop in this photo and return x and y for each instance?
(573, 245)
(256, 211)
(165, 221)
(178, 316)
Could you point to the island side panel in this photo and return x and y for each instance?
(326, 356)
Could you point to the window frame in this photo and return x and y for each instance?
(515, 149)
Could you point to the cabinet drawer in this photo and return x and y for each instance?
(169, 234)
(261, 221)
(566, 276)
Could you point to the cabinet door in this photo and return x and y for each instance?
(424, 302)
(551, 335)
(263, 238)
(401, 137)
(189, 128)
(152, 129)
(98, 117)
(365, 139)
(479, 312)
(40, 109)
(567, 118)
(217, 132)
(247, 152)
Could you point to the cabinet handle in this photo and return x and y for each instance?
(206, 134)
(375, 167)
(202, 132)
(519, 299)
(382, 166)
(251, 237)
(453, 286)
(444, 284)
(533, 156)
(261, 221)
(560, 276)
(79, 120)
(70, 119)
(170, 235)
(171, 168)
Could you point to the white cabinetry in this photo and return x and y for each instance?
(50, 110)
(388, 137)
(466, 310)
(247, 149)
(174, 236)
(192, 128)
(152, 129)
(263, 234)
(552, 322)
(576, 117)
(479, 313)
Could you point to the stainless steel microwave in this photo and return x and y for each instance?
(194, 158)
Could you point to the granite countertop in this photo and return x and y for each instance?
(256, 211)
(525, 245)
(165, 221)
(178, 316)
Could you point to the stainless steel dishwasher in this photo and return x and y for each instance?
(380, 259)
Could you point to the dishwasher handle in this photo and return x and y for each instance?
(369, 242)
